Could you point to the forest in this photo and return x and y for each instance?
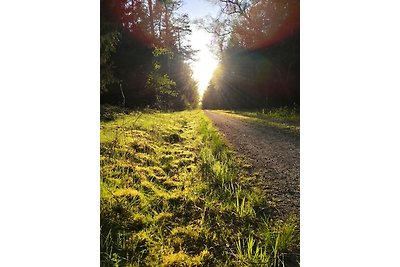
(145, 57)
(259, 50)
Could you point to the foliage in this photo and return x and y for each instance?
(259, 55)
(109, 39)
(174, 194)
(161, 82)
(144, 55)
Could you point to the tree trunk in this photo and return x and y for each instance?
(151, 17)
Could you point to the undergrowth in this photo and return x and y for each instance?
(174, 194)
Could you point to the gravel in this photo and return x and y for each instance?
(274, 155)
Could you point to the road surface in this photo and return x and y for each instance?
(274, 155)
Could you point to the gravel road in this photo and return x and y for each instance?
(274, 155)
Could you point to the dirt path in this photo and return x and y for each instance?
(274, 154)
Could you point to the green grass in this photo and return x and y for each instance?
(174, 194)
(282, 114)
(282, 118)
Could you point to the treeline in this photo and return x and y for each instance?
(144, 55)
(259, 48)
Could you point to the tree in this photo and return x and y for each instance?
(109, 38)
(261, 57)
(143, 56)
(220, 28)
(108, 45)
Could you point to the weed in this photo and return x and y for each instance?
(250, 253)
(243, 208)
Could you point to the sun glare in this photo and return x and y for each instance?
(203, 70)
(204, 67)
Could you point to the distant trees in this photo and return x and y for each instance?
(260, 58)
(144, 54)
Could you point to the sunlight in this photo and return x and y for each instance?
(203, 70)
(206, 64)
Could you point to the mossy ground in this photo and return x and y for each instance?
(174, 194)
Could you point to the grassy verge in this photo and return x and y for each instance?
(283, 114)
(173, 194)
(282, 118)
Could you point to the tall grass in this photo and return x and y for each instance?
(173, 194)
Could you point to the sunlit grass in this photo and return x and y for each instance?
(282, 114)
(174, 194)
(282, 118)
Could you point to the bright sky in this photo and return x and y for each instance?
(205, 66)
